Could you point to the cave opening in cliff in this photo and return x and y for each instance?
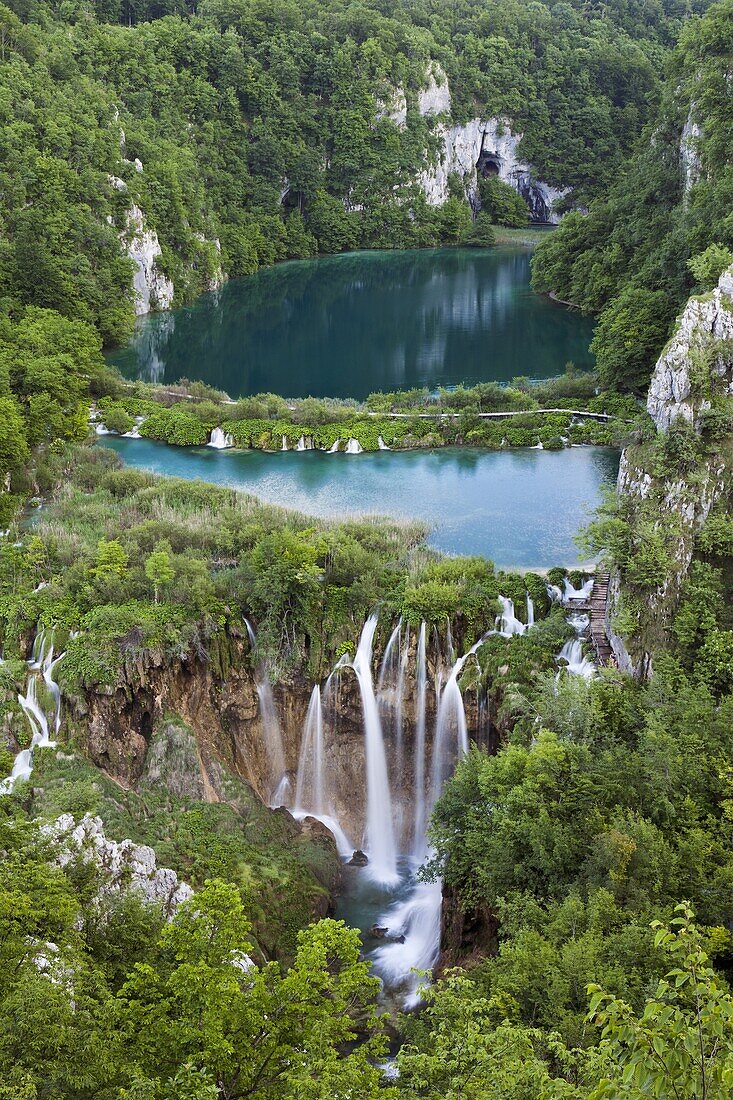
(488, 164)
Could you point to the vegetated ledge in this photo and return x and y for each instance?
(554, 414)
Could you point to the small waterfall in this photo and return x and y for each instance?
(451, 730)
(417, 920)
(301, 444)
(354, 447)
(382, 445)
(284, 444)
(507, 623)
(379, 826)
(310, 784)
(418, 832)
(530, 611)
(583, 593)
(134, 433)
(42, 661)
(334, 447)
(272, 734)
(220, 440)
(577, 663)
(554, 593)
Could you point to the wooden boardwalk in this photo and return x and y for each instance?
(597, 609)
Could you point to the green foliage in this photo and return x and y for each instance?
(628, 339)
(501, 203)
(483, 234)
(708, 266)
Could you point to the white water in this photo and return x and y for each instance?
(554, 593)
(507, 623)
(354, 447)
(334, 447)
(380, 841)
(284, 444)
(418, 831)
(40, 669)
(381, 444)
(583, 593)
(577, 663)
(220, 440)
(418, 920)
(301, 444)
(530, 611)
(310, 786)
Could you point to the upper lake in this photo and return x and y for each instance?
(348, 325)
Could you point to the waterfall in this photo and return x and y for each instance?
(451, 730)
(417, 922)
(301, 444)
(334, 447)
(381, 444)
(220, 440)
(284, 444)
(554, 593)
(418, 832)
(379, 825)
(582, 593)
(272, 734)
(530, 611)
(354, 447)
(309, 786)
(577, 663)
(42, 661)
(507, 623)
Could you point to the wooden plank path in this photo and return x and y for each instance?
(597, 609)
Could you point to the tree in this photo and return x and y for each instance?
(483, 234)
(454, 220)
(111, 559)
(502, 203)
(681, 1045)
(159, 568)
(629, 337)
(708, 266)
(14, 451)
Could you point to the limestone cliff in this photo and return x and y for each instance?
(487, 146)
(668, 489)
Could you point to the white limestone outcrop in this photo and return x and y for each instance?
(689, 152)
(124, 864)
(153, 289)
(673, 390)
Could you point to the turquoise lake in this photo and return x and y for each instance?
(520, 508)
(348, 325)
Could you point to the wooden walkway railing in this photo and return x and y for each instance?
(597, 609)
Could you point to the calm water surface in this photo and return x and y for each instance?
(349, 325)
(519, 508)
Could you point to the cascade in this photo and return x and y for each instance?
(42, 661)
(220, 440)
(507, 623)
(301, 444)
(380, 838)
(451, 730)
(577, 663)
(530, 611)
(418, 833)
(279, 782)
(382, 445)
(391, 690)
(334, 447)
(555, 593)
(284, 445)
(354, 447)
(582, 593)
(310, 783)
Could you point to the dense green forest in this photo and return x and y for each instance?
(585, 846)
(664, 230)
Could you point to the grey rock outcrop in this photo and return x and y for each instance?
(153, 289)
(674, 389)
(125, 866)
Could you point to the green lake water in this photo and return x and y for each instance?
(519, 508)
(348, 325)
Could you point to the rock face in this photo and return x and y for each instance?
(695, 367)
(153, 289)
(689, 155)
(675, 389)
(125, 866)
(486, 146)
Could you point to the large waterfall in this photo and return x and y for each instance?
(418, 832)
(279, 783)
(380, 839)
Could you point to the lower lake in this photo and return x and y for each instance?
(520, 508)
(348, 325)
